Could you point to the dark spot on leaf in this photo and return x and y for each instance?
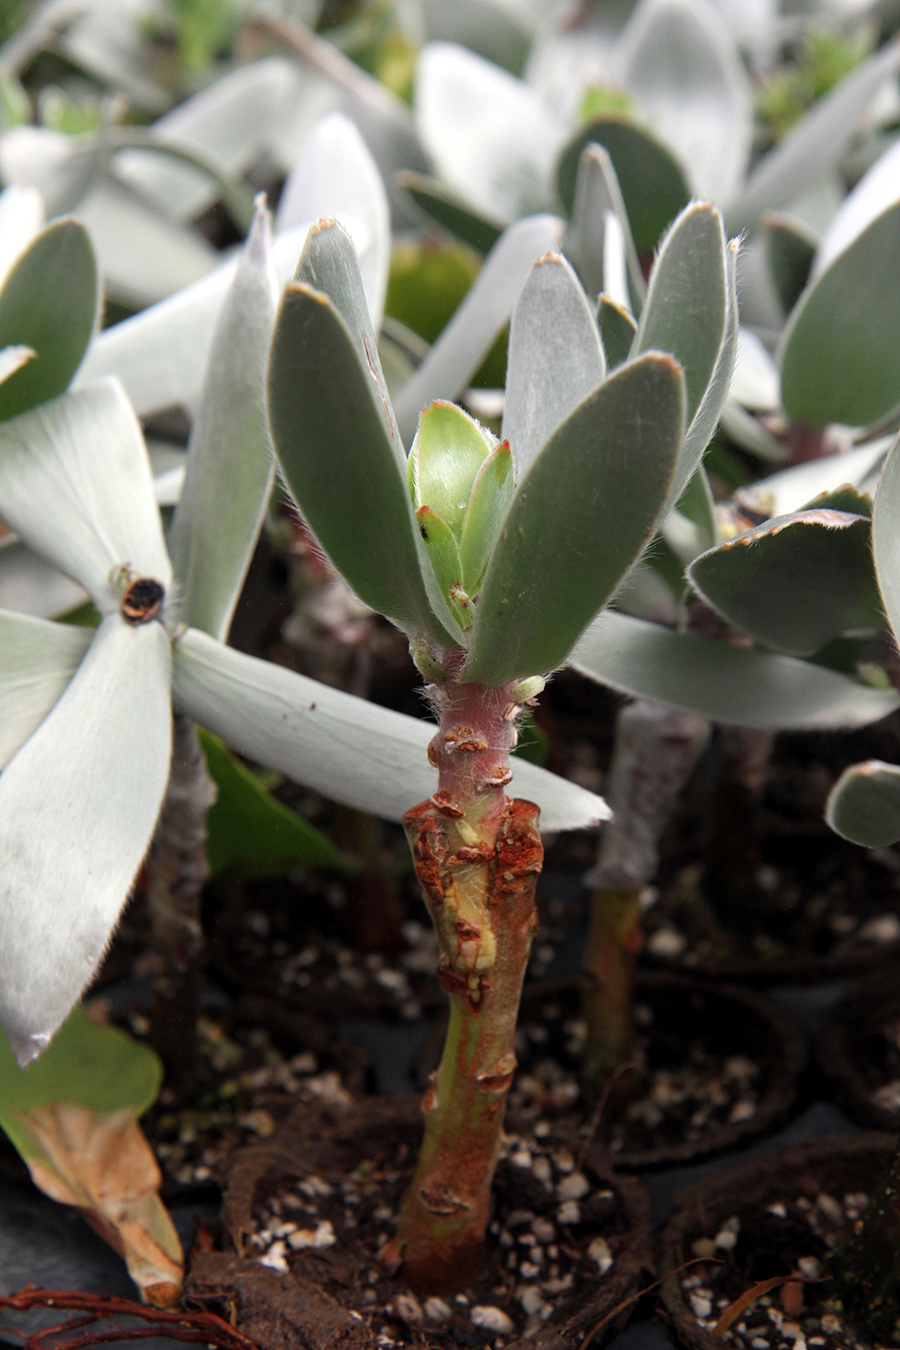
(142, 601)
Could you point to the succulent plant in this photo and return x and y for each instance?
(492, 556)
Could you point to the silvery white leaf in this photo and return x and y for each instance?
(29, 585)
(680, 62)
(615, 271)
(107, 40)
(790, 490)
(599, 239)
(745, 686)
(13, 359)
(755, 382)
(143, 255)
(497, 30)
(167, 464)
(703, 424)
(34, 157)
(555, 358)
(37, 661)
(353, 751)
(230, 463)
(569, 58)
(168, 486)
(815, 144)
(75, 484)
(78, 805)
(875, 193)
(489, 135)
(21, 218)
(484, 312)
(161, 355)
(748, 432)
(229, 123)
(336, 175)
(325, 80)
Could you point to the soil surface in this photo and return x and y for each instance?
(762, 1221)
(710, 1066)
(255, 1061)
(566, 1243)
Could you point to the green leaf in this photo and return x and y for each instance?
(790, 249)
(329, 265)
(335, 176)
(696, 503)
(488, 505)
(687, 299)
(617, 330)
(427, 284)
(864, 804)
(555, 358)
(442, 205)
(449, 449)
(845, 498)
(795, 582)
(97, 1067)
(443, 554)
(886, 537)
(589, 242)
(838, 358)
(578, 521)
(653, 184)
(533, 743)
(13, 359)
(249, 832)
(336, 441)
(230, 464)
(462, 346)
(49, 303)
(728, 684)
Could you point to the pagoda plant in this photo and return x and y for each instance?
(493, 556)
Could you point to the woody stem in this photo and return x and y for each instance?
(477, 855)
(176, 871)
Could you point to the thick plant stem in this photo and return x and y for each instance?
(734, 852)
(866, 1268)
(477, 856)
(655, 750)
(177, 869)
(613, 943)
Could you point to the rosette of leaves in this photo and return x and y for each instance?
(667, 98)
(493, 556)
(86, 725)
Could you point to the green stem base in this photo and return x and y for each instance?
(445, 1212)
